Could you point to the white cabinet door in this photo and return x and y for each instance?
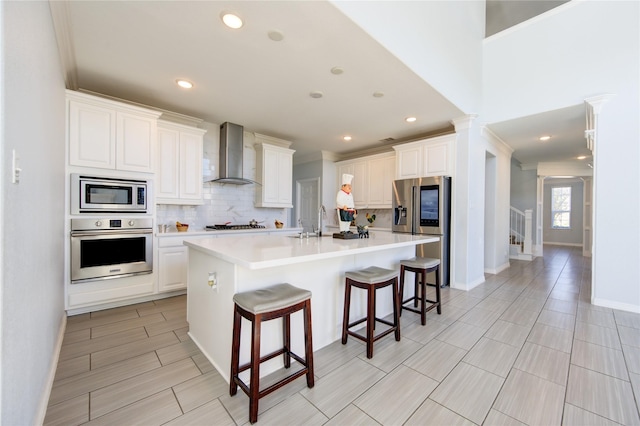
(272, 175)
(436, 159)
(172, 268)
(408, 161)
(92, 136)
(179, 176)
(136, 137)
(191, 167)
(167, 179)
(381, 176)
(274, 171)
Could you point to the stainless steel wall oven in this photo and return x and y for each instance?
(110, 248)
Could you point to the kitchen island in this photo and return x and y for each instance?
(221, 267)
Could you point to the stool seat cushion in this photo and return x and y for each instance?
(372, 275)
(420, 262)
(271, 298)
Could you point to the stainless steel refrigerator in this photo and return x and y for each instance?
(423, 206)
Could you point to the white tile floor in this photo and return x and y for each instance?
(525, 347)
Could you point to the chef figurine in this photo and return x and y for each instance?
(345, 204)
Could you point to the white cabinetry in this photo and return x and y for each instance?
(382, 172)
(359, 169)
(372, 180)
(179, 178)
(428, 157)
(107, 134)
(172, 264)
(274, 171)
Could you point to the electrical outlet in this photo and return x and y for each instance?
(213, 281)
(15, 167)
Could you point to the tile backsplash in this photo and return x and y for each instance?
(222, 203)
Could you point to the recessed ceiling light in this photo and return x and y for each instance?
(410, 119)
(337, 70)
(378, 94)
(316, 95)
(347, 138)
(275, 35)
(185, 84)
(582, 157)
(545, 138)
(231, 20)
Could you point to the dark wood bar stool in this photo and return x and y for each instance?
(420, 266)
(371, 279)
(278, 301)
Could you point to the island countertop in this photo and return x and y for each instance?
(262, 251)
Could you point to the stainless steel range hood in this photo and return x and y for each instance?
(231, 148)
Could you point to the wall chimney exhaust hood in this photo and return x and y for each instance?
(231, 149)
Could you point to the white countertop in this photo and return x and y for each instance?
(266, 251)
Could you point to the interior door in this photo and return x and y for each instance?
(307, 204)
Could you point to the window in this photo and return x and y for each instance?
(561, 207)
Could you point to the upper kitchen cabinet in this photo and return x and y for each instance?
(179, 177)
(382, 172)
(359, 169)
(274, 172)
(107, 134)
(372, 179)
(427, 157)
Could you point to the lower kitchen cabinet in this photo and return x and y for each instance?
(172, 268)
(172, 263)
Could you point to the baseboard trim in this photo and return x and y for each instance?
(496, 271)
(469, 286)
(44, 402)
(563, 244)
(628, 307)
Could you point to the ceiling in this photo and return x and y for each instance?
(135, 50)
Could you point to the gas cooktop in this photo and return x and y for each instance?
(232, 227)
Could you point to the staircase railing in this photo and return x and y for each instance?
(520, 233)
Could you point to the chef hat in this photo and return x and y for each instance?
(346, 179)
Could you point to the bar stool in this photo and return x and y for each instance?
(420, 266)
(278, 301)
(371, 279)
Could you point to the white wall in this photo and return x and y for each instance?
(574, 52)
(441, 41)
(32, 224)
(500, 155)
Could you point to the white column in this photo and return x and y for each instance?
(468, 205)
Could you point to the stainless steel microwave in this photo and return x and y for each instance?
(91, 194)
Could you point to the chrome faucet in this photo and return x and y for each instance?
(321, 213)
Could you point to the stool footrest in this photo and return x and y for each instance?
(417, 311)
(261, 393)
(265, 358)
(377, 336)
(411, 299)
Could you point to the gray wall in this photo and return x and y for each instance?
(571, 236)
(32, 212)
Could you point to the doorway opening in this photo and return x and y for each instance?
(307, 203)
